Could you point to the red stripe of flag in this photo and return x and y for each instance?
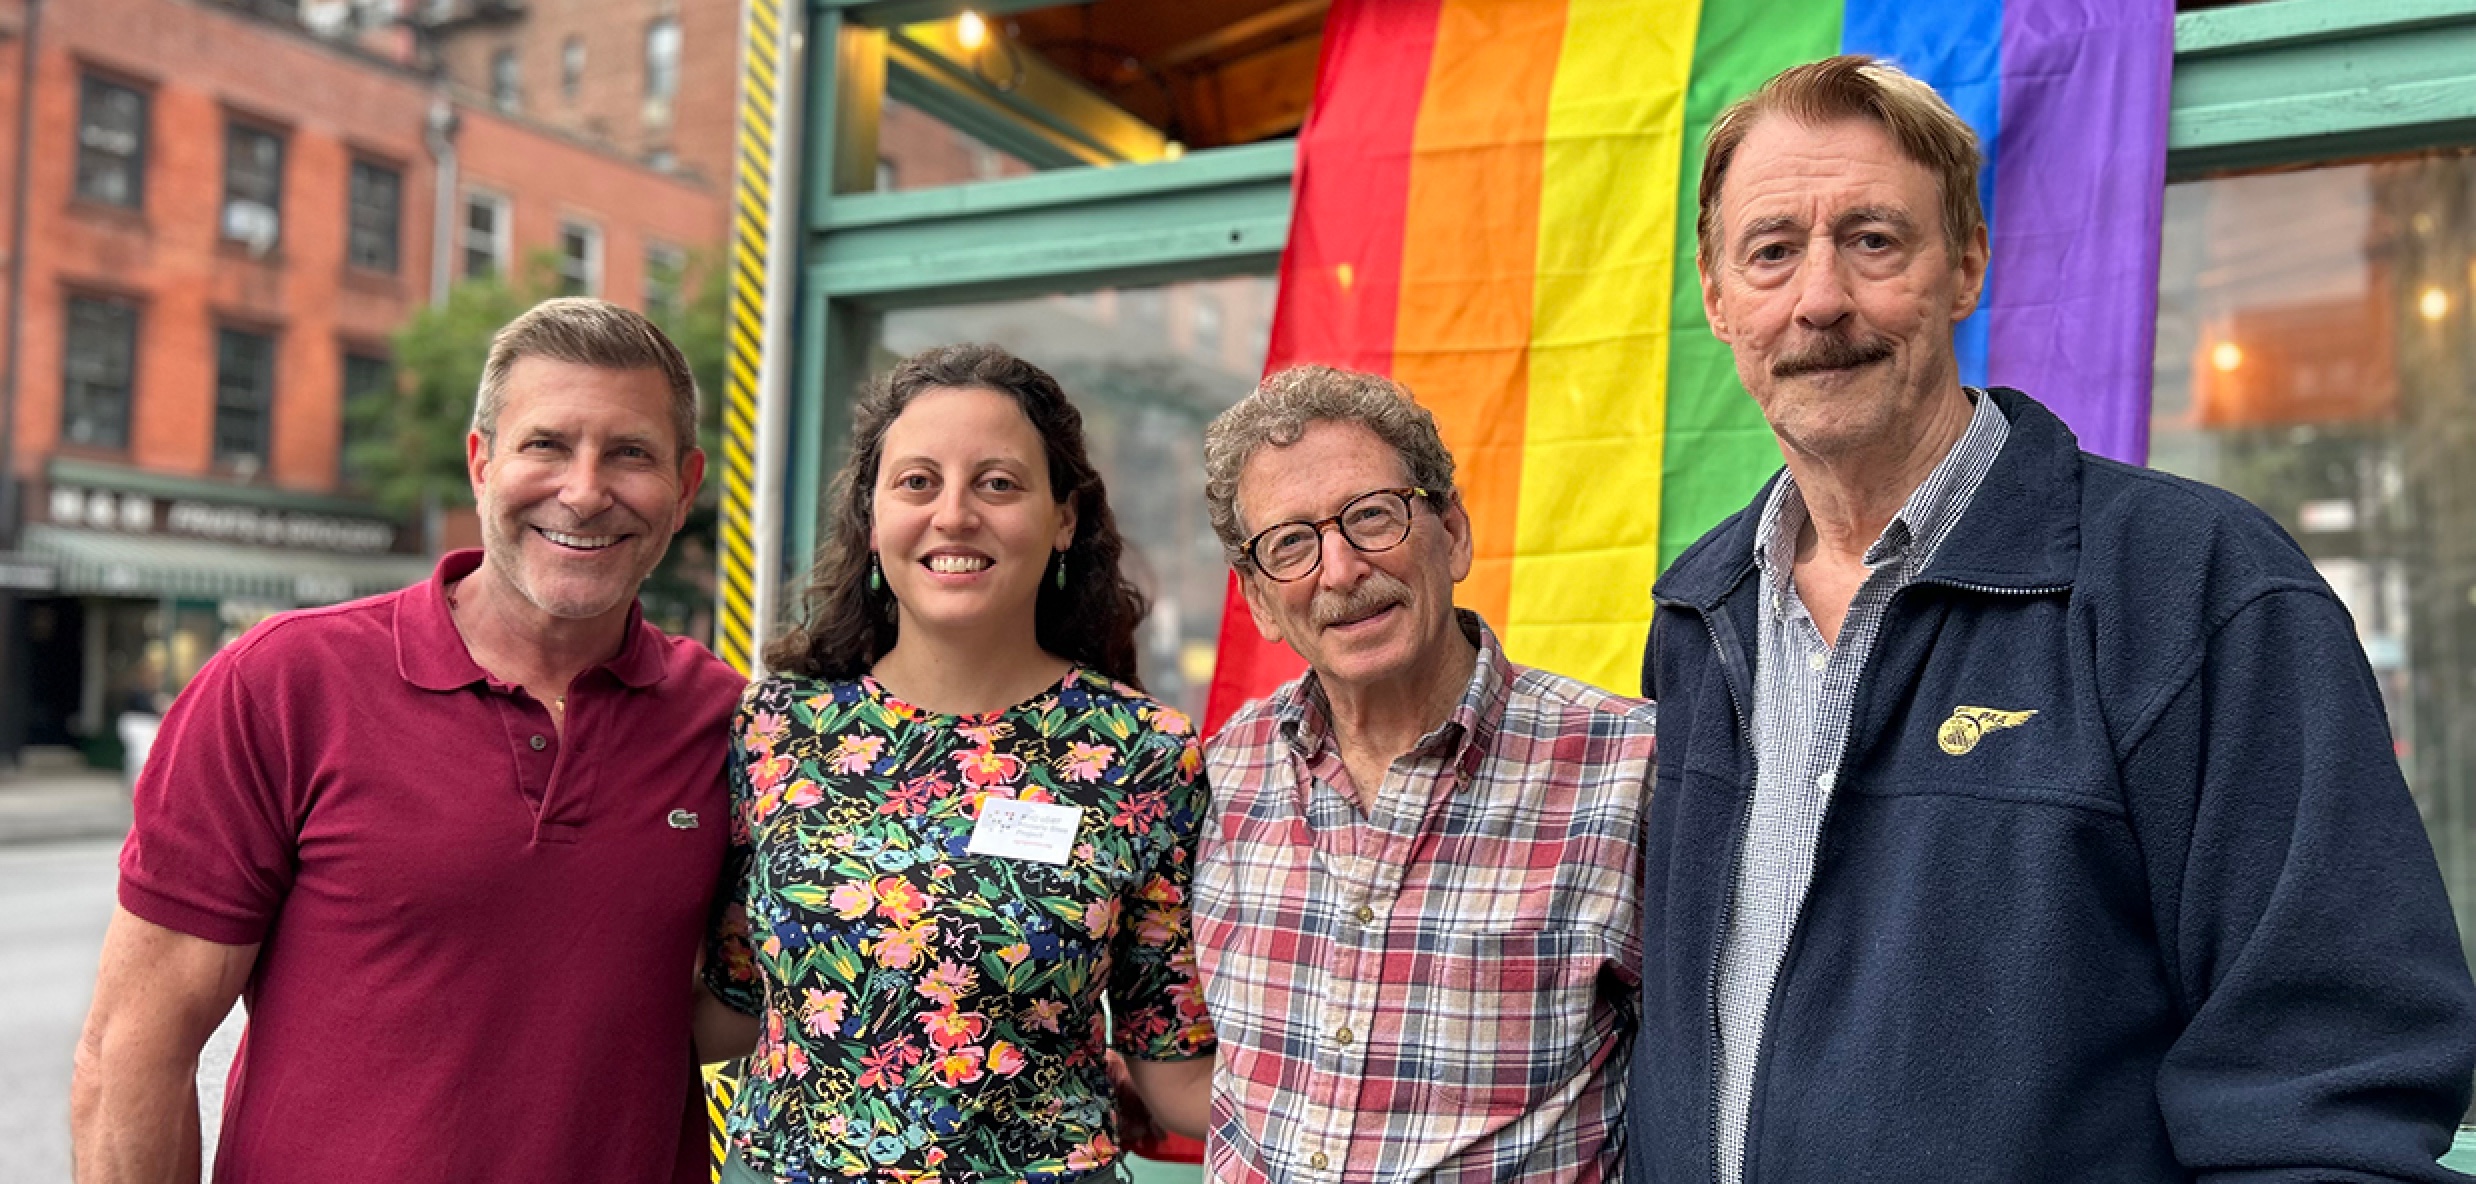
(1341, 272)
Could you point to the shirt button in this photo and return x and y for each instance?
(1824, 782)
(1817, 660)
(1342, 1036)
(538, 742)
(1317, 1161)
(1366, 916)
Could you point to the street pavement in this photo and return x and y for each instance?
(55, 899)
(49, 807)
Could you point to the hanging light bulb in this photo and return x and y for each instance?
(2226, 356)
(971, 30)
(2434, 304)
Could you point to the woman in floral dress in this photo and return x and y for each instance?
(958, 826)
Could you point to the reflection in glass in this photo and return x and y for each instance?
(916, 150)
(1149, 369)
(2315, 355)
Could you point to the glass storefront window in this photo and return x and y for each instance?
(2317, 355)
(1149, 367)
(916, 150)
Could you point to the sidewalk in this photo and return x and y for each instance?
(49, 806)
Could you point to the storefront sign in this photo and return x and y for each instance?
(138, 513)
(25, 573)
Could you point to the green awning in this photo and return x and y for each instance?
(101, 563)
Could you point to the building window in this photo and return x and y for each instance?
(98, 373)
(485, 236)
(244, 393)
(253, 186)
(666, 267)
(661, 68)
(505, 88)
(111, 143)
(571, 67)
(580, 259)
(369, 379)
(377, 210)
(2315, 332)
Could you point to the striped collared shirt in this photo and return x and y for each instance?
(1444, 987)
(1804, 691)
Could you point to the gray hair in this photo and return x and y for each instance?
(582, 331)
(1277, 414)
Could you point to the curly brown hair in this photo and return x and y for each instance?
(845, 628)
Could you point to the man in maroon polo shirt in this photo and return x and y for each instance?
(455, 846)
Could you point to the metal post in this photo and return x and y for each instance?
(442, 141)
(782, 286)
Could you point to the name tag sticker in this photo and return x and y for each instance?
(1042, 831)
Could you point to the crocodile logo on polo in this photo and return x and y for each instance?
(683, 820)
(1968, 725)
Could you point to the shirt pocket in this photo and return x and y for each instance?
(1514, 1023)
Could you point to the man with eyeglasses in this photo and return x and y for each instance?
(1416, 908)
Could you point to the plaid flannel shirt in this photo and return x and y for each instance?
(1445, 987)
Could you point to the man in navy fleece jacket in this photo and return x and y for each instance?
(2020, 815)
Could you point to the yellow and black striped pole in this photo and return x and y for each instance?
(764, 209)
(764, 213)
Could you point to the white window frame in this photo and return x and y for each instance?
(503, 240)
(593, 252)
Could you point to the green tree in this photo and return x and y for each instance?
(679, 595)
(406, 443)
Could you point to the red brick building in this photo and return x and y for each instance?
(227, 217)
(655, 79)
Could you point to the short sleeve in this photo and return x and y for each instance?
(730, 960)
(1156, 999)
(213, 839)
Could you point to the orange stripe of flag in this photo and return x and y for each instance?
(1469, 248)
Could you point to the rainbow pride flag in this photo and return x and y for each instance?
(1495, 205)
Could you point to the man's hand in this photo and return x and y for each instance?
(133, 1099)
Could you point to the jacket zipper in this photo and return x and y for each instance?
(1796, 921)
(1728, 901)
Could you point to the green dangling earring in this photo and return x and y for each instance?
(876, 576)
(1061, 571)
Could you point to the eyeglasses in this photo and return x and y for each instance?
(1371, 522)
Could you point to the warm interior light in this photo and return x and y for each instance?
(971, 30)
(1172, 150)
(2434, 304)
(2226, 355)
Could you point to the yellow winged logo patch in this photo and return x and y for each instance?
(1968, 725)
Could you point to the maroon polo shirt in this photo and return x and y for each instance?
(478, 939)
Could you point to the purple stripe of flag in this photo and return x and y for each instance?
(2080, 187)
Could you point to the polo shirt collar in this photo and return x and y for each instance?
(430, 653)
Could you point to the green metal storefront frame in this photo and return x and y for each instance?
(2259, 85)
(2280, 83)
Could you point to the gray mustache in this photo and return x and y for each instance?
(1377, 591)
(1832, 353)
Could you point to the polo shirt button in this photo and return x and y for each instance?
(538, 742)
(1822, 783)
(1317, 1161)
(1342, 1036)
(1818, 660)
(1366, 916)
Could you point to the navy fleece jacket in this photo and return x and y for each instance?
(2181, 923)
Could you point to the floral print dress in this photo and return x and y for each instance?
(932, 1014)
